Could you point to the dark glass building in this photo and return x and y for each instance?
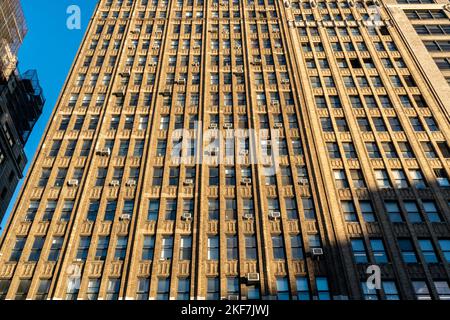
(21, 103)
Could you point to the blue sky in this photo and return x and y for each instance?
(50, 48)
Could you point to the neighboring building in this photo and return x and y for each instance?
(355, 174)
(21, 102)
(12, 32)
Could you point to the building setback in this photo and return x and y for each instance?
(238, 150)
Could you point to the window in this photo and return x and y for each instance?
(102, 248)
(167, 248)
(213, 289)
(442, 289)
(157, 177)
(303, 292)
(278, 248)
(382, 179)
(421, 290)
(121, 248)
(291, 208)
(233, 286)
(427, 248)
(393, 211)
(36, 249)
(367, 211)
(213, 176)
(83, 248)
(359, 250)
(42, 291)
(66, 210)
(153, 210)
(407, 250)
(112, 291)
(230, 209)
(17, 250)
(4, 287)
(213, 209)
(431, 211)
(213, 248)
(55, 249)
(296, 247)
(390, 290)
(417, 179)
(283, 289)
(183, 289)
(308, 208)
(22, 290)
(341, 179)
(232, 248)
(413, 211)
(148, 248)
(349, 211)
(93, 210)
(378, 250)
(73, 288)
(143, 289)
(185, 248)
(110, 211)
(368, 293)
(358, 178)
(323, 290)
(399, 179)
(250, 248)
(445, 247)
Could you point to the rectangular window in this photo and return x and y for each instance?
(213, 248)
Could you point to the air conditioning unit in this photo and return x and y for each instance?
(252, 277)
(316, 252)
(189, 182)
(186, 216)
(131, 183)
(213, 126)
(153, 64)
(114, 183)
(248, 216)
(278, 125)
(243, 152)
(126, 73)
(104, 152)
(79, 260)
(246, 181)
(233, 297)
(181, 81)
(275, 103)
(274, 215)
(285, 81)
(257, 61)
(72, 183)
(119, 93)
(303, 181)
(228, 126)
(125, 217)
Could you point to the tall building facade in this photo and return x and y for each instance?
(237, 150)
(21, 102)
